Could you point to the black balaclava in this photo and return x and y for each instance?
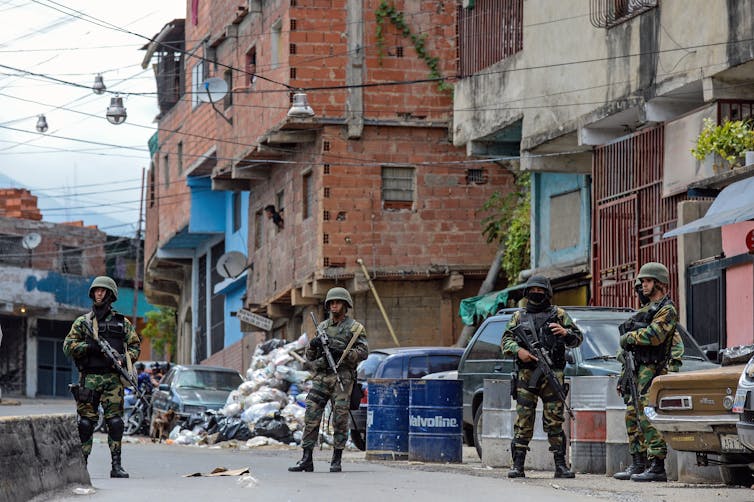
(537, 302)
(101, 310)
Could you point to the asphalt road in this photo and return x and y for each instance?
(158, 470)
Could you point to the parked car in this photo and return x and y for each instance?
(400, 362)
(483, 357)
(694, 411)
(188, 389)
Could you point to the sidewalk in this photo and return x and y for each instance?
(25, 406)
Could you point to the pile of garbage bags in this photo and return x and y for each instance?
(269, 404)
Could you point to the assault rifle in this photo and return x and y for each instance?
(544, 362)
(322, 334)
(115, 359)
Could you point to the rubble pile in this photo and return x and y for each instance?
(267, 408)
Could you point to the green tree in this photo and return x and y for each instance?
(509, 224)
(160, 330)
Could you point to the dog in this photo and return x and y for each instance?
(163, 424)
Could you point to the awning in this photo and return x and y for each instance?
(482, 306)
(734, 204)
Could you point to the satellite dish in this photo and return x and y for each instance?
(32, 240)
(213, 90)
(231, 264)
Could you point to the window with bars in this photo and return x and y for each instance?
(609, 13)
(476, 176)
(11, 251)
(397, 187)
(488, 31)
(71, 260)
(198, 75)
(179, 157)
(166, 170)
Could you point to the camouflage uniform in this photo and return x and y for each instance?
(526, 396)
(653, 339)
(324, 384)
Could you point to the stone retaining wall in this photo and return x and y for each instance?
(39, 454)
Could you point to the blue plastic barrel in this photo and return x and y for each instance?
(387, 419)
(435, 421)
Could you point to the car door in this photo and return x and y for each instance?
(161, 398)
(482, 359)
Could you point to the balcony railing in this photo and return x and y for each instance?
(607, 13)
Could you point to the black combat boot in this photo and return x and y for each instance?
(306, 464)
(117, 471)
(640, 463)
(517, 469)
(337, 454)
(655, 471)
(561, 469)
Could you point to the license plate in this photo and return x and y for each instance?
(739, 401)
(730, 442)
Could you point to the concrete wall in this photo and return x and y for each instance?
(571, 73)
(39, 454)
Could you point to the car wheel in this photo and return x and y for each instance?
(358, 439)
(478, 431)
(134, 418)
(740, 476)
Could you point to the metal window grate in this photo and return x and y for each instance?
(397, 184)
(478, 176)
(489, 32)
(608, 13)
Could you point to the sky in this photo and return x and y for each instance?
(83, 167)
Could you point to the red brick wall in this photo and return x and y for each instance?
(236, 356)
(19, 203)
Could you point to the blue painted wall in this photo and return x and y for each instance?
(207, 207)
(73, 291)
(544, 186)
(235, 241)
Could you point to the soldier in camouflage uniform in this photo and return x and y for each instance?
(99, 381)
(341, 330)
(555, 331)
(655, 348)
(637, 447)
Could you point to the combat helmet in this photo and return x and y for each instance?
(654, 270)
(104, 282)
(539, 281)
(338, 294)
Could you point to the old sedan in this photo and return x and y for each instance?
(194, 389)
(694, 412)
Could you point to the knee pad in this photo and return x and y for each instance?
(86, 429)
(115, 428)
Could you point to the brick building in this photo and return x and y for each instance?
(370, 174)
(45, 273)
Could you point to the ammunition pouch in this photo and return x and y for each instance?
(514, 384)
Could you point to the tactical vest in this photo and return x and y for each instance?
(536, 324)
(651, 354)
(113, 331)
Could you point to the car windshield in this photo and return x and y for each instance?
(602, 338)
(368, 366)
(203, 379)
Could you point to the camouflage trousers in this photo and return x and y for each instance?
(325, 388)
(526, 409)
(111, 398)
(642, 435)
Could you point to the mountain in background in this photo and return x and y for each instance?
(106, 223)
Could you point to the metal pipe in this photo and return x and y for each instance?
(377, 299)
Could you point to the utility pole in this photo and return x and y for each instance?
(137, 266)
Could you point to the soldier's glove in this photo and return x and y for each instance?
(336, 353)
(316, 343)
(91, 348)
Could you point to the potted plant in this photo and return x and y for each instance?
(730, 141)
